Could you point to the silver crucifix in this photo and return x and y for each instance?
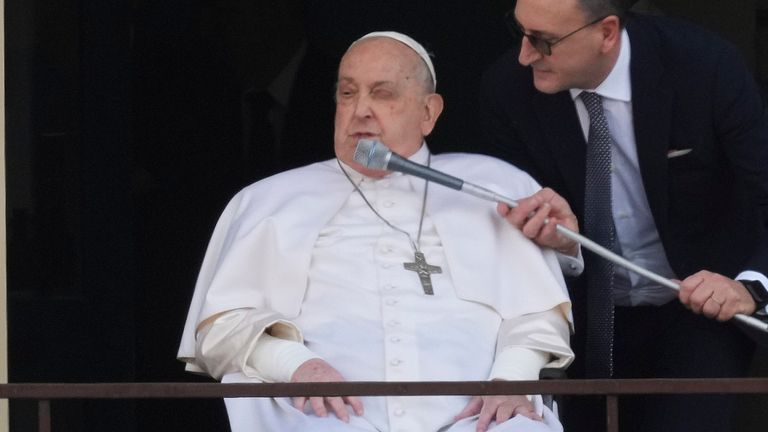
(423, 269)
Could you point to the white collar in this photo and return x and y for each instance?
(617, 85)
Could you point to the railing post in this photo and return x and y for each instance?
(612, 413)
(44, 415)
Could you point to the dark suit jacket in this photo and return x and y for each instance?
(690, 90)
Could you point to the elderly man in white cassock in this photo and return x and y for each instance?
(313, 275)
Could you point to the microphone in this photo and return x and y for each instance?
(375, 155)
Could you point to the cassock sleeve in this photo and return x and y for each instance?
(530, 342)
(258, 345)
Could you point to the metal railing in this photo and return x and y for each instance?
(612, 389)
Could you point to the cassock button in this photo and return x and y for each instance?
(389, 204)
(393, 323)
(399, 412)
(394, 339)
(395, 362)
(391, 302)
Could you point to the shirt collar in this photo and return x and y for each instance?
(617, 84)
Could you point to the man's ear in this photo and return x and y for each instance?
(611, 28)
(433, 107)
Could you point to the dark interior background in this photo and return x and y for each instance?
(130, 123)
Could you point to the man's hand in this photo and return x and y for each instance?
(499, 408)
(715, 296)
(536, 217)
(317, 370)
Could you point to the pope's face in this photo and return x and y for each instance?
(381, 96)
(576, 61)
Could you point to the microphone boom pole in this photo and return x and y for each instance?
(375, 155)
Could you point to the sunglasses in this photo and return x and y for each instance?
(543, 46)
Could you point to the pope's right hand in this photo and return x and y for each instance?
(318, 370)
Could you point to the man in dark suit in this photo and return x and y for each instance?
(688, 196)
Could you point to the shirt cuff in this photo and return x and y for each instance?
(755, 276)
(571, 266)
(275, 359)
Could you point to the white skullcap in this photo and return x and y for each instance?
(411, 43)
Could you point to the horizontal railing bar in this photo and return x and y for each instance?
(429, 388)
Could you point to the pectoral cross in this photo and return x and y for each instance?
(423, 269)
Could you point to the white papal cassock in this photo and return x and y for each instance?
(301, 253)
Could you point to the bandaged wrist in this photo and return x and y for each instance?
(518, 364)
(275, 360)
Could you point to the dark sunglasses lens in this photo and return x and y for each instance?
(540, 45)
(518, 34)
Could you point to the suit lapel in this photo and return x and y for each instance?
(652, 101)
(565, 140)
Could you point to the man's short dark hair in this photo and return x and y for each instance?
(602, 8)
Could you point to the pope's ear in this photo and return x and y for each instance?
(432, 110)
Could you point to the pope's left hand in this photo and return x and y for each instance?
(715, 296)
(499, 408)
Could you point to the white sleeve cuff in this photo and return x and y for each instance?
(755, 276)
(571, 266)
